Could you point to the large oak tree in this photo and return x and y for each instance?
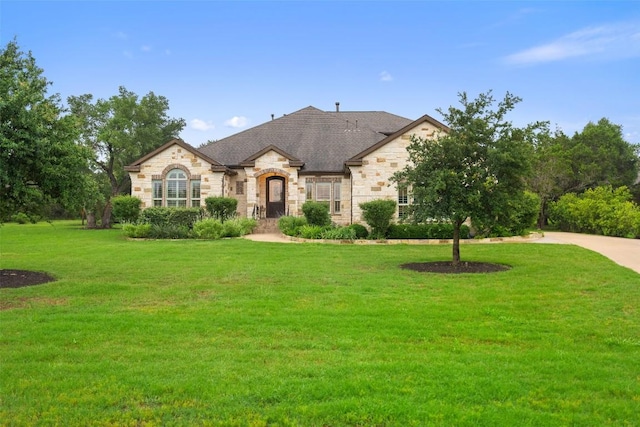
(40, 163)
(120, 130)
(474, 169)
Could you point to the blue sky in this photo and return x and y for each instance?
(227, 66)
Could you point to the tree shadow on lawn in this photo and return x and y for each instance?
(21, 278)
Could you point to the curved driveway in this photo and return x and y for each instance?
(625, 252)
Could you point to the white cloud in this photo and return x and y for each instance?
(201, 125)
(385, 76)
(167, 52)
(121, 35)
(127, 53)
(614, 41)
(145, 48)
(237, 122)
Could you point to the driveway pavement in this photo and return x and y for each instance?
(625, 252)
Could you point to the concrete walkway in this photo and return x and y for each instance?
(625, 252)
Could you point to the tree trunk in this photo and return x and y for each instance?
(456, 242)
(91, 219)
(106, 215)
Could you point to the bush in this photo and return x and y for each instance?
(137, 231)
(520, 215)
(290, 225)
(179, 217)
(247, 225)
(126, 208)
(169, 231)
(208, 229)
(361, 231)
(311, 231)
(437, 230)
(221, 208)
(378, 214)
(602, 210)
(20, 218)
(156, 216)
(316, 213)
(339, 233)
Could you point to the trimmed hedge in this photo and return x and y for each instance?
(221, 208)
(126, 208)
(181, 217)
(378, 214)
(425, 231)
(316, 213)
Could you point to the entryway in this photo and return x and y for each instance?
(275, 197)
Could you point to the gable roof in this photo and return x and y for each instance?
(321, 140)
(135, 166)
(357, 159)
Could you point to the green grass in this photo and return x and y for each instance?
(244, 333)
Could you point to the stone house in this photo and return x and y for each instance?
(341, 158)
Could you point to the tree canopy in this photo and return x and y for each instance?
(474, 169)
(120, 130)
(40, 162)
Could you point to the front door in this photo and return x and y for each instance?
(275, 197)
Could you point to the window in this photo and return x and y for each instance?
(326, 191)
(157, 192)
(195, 194)
(336, 197)
(177, 189)
(239, 187)
(403, 203)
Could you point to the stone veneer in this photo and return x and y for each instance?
(211, 183)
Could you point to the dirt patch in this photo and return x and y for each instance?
(21, 278)
(447, 267)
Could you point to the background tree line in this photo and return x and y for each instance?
(73, 156)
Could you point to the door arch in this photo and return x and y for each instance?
(275, 197)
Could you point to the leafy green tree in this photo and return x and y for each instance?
(601, 156)
(40, 162)
(120, 130)
(474, 169)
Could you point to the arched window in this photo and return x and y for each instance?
(176, 182)
(176, 189)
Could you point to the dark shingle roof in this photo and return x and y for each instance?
(322, 140)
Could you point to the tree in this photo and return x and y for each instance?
(600, 156)
(118, 131)
(39, 161)
(474, 169)
(597, 156)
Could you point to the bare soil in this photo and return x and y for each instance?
(447, 267)
(21, 278)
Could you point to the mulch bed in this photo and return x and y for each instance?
(447, 267)
(20, 278)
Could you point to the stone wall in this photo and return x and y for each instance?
(211, 183)
(372, 180)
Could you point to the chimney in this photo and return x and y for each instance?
(337, 107)
(272, 116)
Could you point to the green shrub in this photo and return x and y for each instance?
(290, 225)
(316, 213)
(156, 215)
(221, 208)
(247, 224)
(311, 231)
(436, 230)
(20, 218)
(126, 208)
(169, 231)
(361, 231)
(602, 210)
(138, 231)
(339, 233)
(378, 214)
(520, 215)
(208, 229)
(232, 229)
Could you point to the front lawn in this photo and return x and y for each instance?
(235, 332)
